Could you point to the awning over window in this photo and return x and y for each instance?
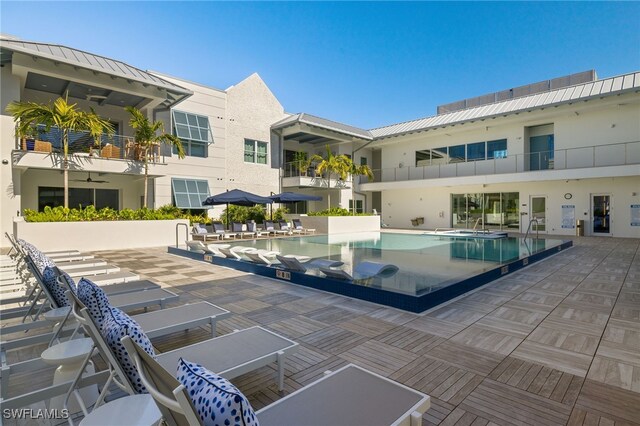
(189, 193)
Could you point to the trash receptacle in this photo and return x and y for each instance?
(580, 228)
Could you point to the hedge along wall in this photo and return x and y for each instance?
(107, 235)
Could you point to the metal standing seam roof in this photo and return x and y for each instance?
(599, 88)
(323, 123)
(89, 61)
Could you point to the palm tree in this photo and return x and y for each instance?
(66, 117)
(339, 164)
(149, 134)
(361, 170)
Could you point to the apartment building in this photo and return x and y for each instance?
(540, 157)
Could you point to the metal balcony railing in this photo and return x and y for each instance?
(572, 158)
(106, 146)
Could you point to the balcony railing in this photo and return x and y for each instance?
(106, 146)
(309, 178)
(572, 158)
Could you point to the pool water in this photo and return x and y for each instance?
(427, 263)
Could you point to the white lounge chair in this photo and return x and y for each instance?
(263, 257)
(201, 233)
(297, 225)
(218, 228)
(251, 227)
(294, 264)
(363, 271)
(348, 396)
(236, 227)
(271, 229)
(235, 251)
(198, 247)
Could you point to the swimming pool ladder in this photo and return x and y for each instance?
(534, 220)
(475, 231)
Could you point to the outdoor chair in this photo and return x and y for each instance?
(54, 289)
(363, 271)
(235, 251)
(284, 226)
(297, 226)
(251, 227)
(156, 324)
(218, 228)
(271, 229)
(262, 257)
(294, 264)
(198, 247)
(348, 396)
(236, 227)
(201, 233)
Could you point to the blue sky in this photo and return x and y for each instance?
(367, 64)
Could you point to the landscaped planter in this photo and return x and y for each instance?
(341, 224)
(103, 235)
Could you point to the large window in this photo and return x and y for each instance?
(476, 151)
(255, 151)
(497, 149)
(189, 193)
(78, 197)
(194, 132)
(495, 210)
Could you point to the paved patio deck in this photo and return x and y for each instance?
(555, 343)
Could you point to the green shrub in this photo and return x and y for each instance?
(90, 213)
(336, 211)
(242, 214)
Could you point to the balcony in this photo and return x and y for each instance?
(293, 177)
(46, 151)
(106, 146)
(620, 154)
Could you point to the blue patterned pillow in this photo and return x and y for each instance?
(50, 281)
(39, 259)
(94, 299)
(215, 399)
(116, 325)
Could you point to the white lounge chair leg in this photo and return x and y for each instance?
(281, 360)
(416, 419)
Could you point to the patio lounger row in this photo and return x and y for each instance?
(362, 271)
(348, 396)
(233, 354)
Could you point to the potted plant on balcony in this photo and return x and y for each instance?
(63, 115)
(332, 164)
(301, 162)
(148, 135)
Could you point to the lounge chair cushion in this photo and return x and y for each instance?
(200, 229)
(215, 399)
(50, 281)
(116, 325)
(39, 259)
(95, 299)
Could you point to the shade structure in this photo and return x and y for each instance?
(236, 197)
(294, 197)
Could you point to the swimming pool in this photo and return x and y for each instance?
(432, 268)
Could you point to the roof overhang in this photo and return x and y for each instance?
(304, 128)
(84, 74)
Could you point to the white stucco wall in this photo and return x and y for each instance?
(210, 102)
(10, 187)
(434, 203)
(251, 109)
(94, 236)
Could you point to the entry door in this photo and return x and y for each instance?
(601, 214)
(541, 152)
(538, 211)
